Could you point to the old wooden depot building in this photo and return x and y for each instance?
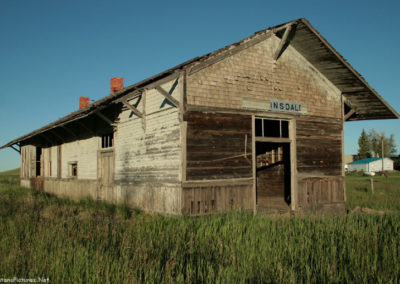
(257, 125)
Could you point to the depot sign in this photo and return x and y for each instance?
(286, 107)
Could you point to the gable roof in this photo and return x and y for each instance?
(366, 161)
(305, 39)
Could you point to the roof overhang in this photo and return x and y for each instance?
(359, 96)
(365, 102)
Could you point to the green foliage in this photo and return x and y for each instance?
(396, 165)
(364, 146)
(389, 145)
(92, 242)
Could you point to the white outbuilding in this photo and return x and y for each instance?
(371, 165)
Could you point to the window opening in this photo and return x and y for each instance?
(271, 128)
(107, 140)
(73, 169)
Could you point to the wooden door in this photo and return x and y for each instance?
(106, 176)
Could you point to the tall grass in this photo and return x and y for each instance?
(91, 242)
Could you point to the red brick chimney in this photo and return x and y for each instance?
(116, 84)
(84, 102)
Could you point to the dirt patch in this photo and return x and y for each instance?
(366, 210)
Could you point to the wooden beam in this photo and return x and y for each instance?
(132, 108)
(105, 118)
(350, 113)
(47, 139)
(283, 42)
(19, 151)
(167, 96)
(53, 131)
(86, 128)
(69, 131)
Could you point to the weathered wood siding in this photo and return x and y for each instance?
(319, 164)
(247, 81)
(319, 146)
(219, 146)
(147, 153)
(28, 160)
(217, 198)
(252, 75)
(325, 195)
(84, 152)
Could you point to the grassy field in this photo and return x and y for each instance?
(91, 242)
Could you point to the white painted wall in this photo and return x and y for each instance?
(375, 166)
(152, 154)
(84, 152)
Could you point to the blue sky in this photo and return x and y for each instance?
(52, 52)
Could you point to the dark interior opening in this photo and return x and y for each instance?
(273, 173)
(38, 159)
(271, 128)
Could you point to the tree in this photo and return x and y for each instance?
(364, 146)
(389, 146)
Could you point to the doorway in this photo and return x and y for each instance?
(273, 164)
(106, 176)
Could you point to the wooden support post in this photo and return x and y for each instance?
(167, 95)
(372, 185)
(105, 118)
(132, 108)
(144, 110)
(283, 42)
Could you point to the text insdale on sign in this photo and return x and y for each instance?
(285, 106)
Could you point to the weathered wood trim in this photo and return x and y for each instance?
(12, 146)
(167, 96)
(350, 113)
(132, 108)
(59, 161)
(253, 161)
(164, 80)
(282, 42)
(273, 140)
(293, 165)
(343, 156)
(130, 96)
(217, 182)
(216, 58)
(105, 118)
(270, 114)
(144, 98)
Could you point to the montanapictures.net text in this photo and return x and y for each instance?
(25, 280)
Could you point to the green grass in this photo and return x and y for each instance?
(92, 242)
(386, 194)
